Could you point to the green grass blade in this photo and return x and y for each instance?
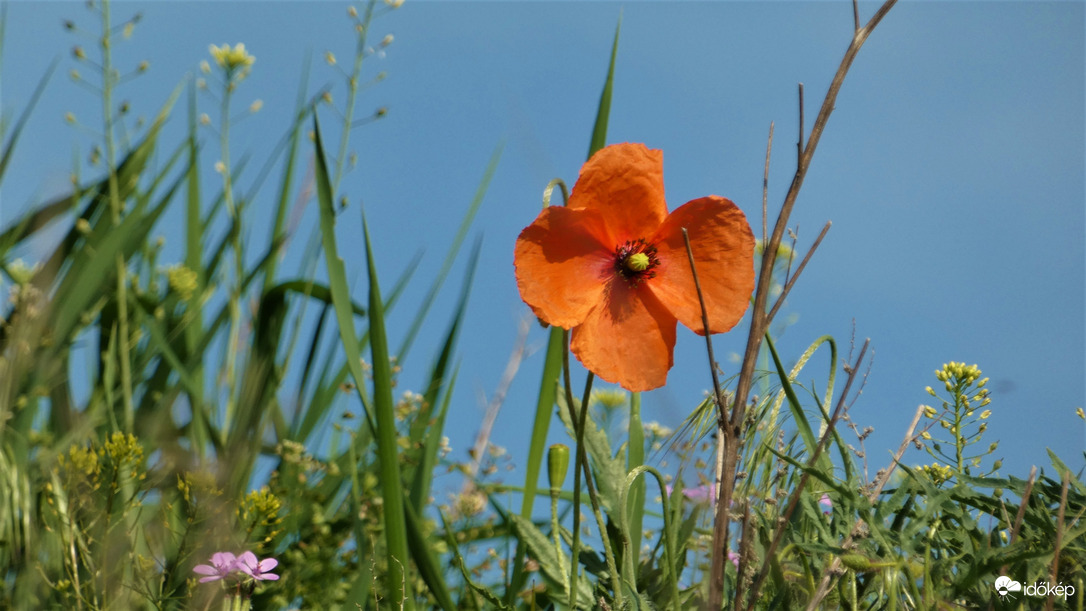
(599, 131)
(397, 580)
(798, 416)
(9, 148)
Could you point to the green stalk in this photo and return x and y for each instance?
(235, 245)
(635, 457)
(608, 553)
(581, 463)
(116, 209)
(352, 94)
(576, 543)
(194, 261)
(556, 529)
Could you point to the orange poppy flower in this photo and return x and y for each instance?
(612, 266)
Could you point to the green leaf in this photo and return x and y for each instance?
(553, 566)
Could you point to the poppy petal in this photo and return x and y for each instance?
(628, 339)
(625, 183)
(723, 248)
(562, 264)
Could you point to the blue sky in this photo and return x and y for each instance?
(952, 170)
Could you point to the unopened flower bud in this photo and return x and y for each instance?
(557, 465)
(856, 562)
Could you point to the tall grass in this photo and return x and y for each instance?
(211, 367)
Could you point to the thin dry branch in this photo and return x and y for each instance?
(802, 264)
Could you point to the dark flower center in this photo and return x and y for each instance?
(636, 261)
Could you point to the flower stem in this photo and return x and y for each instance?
(582, 463)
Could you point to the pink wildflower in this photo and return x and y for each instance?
(257, 569)
(222, 564)
(826, 504)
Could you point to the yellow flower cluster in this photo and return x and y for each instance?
(937, 472)
(83, 460)
(961, 371)
(124, 448)
(260, 508)
(231, 58)
(182, 281)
